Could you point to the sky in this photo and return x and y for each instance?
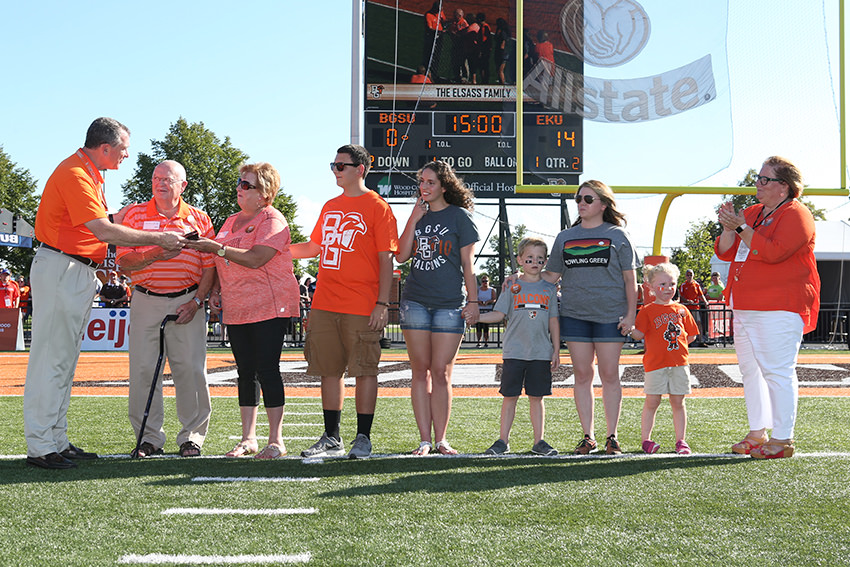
(275, 77)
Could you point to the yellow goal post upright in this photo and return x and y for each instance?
(671, 192)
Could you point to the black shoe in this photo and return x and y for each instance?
(76, 453)
(51, 461)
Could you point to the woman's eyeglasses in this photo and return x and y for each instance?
(244, 185)
(340, 165)
(764, 180)
(587, 199)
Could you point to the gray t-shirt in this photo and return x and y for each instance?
(591, 262)
(528, 307)
(436, 273)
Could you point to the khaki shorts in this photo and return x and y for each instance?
(674, 380)
(339, 341)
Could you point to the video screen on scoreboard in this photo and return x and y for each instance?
(440, 83)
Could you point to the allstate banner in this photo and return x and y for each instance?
(107, 329)
(654, 93)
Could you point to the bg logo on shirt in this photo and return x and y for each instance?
(339, 231)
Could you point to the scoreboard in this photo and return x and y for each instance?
(473, 127)
(474, 142)
(479, 144)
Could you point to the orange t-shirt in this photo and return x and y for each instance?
(73, 196)
(351, 231)
(666, 329)
(779, 271)
(182, 271)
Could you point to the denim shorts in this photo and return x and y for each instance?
(580, 331)
(416, 317)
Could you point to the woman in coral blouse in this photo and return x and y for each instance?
(774, 292)
(259, 295)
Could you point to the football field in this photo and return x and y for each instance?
(709, 508)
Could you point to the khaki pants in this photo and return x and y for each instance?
(64, 290)
(185, 348)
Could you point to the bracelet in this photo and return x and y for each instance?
(384, 303)
(197, 301)
(468, 302)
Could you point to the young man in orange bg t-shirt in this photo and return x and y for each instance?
(355, 238)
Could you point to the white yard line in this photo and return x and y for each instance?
(238, 511)
(254, 479)
(180, 559)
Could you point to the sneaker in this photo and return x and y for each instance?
(651, 447)
(585, 446)
(682, 447)
(361, 448)
(325, 447)
(498, 448)
(612, 447)
(544, 448)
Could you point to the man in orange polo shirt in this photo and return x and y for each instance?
(73, 227)
(169, 282)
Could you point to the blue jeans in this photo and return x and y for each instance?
(416, 317)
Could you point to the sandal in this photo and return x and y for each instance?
(423, 449)
(271, 451)
(190, 449)
(748, 444)
(774, 450)
(445, 449)
(147, 449)
(244, 447)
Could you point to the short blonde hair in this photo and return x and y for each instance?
(530, 241)
(652, 270)
(268, 179)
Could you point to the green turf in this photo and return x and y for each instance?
(663, 510)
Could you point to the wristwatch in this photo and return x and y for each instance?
(221, 251)
(197, 301)
(739, 230)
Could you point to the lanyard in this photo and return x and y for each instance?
(95, 176)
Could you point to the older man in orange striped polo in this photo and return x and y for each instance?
(167, 282)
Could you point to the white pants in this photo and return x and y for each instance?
(63, 289)
(767, 344)
(185, 348)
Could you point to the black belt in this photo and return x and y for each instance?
(171, 295)
(82, 259)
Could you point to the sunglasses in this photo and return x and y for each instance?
(587, 199)
(244, 185)
(340, 165)
(764, 180)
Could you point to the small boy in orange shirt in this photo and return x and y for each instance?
(666, 327)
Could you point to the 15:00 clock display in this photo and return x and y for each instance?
(473, 142)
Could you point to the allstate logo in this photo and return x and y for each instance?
(605, 33)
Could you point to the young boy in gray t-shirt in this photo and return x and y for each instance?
(531, 344)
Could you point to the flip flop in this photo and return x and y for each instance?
(245, 447)
(423, 449)
(271, 451)
(445, 449)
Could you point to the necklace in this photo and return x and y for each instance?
(760, 220)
